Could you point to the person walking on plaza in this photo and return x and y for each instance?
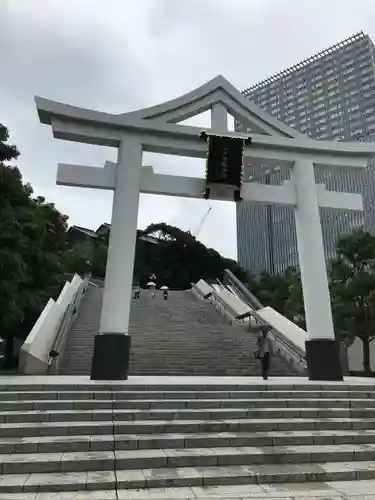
(264, 351)
(137, 291)
(152, 286)
(165, 289)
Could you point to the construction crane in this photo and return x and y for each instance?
(203, 220)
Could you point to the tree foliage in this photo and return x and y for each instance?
(177, 259)
(352, 283)
(32, 250)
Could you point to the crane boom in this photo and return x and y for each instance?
(204, 218)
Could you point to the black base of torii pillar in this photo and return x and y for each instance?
(111, 357)
(323, 358)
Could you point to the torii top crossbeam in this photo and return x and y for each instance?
(160, 132)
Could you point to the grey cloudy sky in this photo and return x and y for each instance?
(121, 55)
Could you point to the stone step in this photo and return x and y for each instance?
(338, 490)
(177, 404)
(207, 414)
(78, 495)
(41, 463)
(75, 428)
(104, 391)
(181, 336)
(190, 384)
(110, 442)
(187, 476)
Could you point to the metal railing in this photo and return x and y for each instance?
(97, 282)
(287, 349)
(68, 318)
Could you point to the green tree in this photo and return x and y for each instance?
(79, 258)
(177, 258)
(32, 251)
(282, 292)
(352, 284)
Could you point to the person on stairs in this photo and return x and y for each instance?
(264, 351)
(137, 291)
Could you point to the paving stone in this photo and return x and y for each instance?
(103, 480)
(298, 490)
(157, 494)
(78, 495)
(172, 477)
(130, 479)
(131, 459)
(96, 460)
(358, 487)
(13, 483)
(360, 497)
(226, 492)
(18, 496)
(71, 481)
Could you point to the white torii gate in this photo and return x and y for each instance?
(157, 129)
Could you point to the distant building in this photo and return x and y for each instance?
(329, 96)
(78, 233)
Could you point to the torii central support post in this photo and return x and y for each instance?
(112, 344)
(322, 349)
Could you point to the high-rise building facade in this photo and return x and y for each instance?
(330, 96)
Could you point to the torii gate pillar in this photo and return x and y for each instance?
(322, 349)
(112, 344)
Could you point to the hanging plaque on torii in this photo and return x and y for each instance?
(224, 165)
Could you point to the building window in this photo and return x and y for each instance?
(356, 132)
(348, 62)
(354, 107)
(318, 99)
(366, 70)
(337, 130)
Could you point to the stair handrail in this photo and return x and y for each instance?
(96, 281)
(251, 300)
(242, 289)
(67, 320)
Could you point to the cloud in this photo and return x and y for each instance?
(117, 56)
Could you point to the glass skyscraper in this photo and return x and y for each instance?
(330, 96)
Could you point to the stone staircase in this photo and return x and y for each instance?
(128, 441)
(180, 336)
